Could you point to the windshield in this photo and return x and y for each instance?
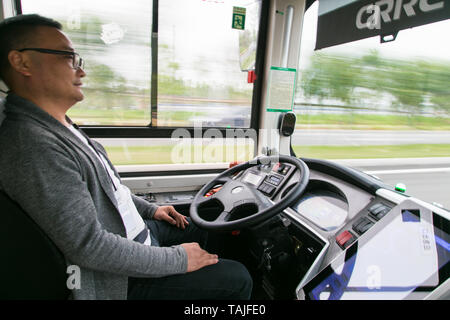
(381, 108)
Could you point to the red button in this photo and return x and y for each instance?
(343, 238)
(275, 167)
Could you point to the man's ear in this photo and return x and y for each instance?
(20, 62)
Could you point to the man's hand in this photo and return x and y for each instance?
(169, 214)
(197, 257)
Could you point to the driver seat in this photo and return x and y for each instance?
(32, 266)
(2, 110)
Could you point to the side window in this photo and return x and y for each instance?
(200, 81)
(194, 79)
(114, 39)
(366, 100)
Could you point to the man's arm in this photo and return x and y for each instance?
(49, 187)
(146, 209)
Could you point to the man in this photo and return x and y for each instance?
(124, 246)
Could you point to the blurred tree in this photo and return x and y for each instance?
(438, 79)
(106, 89)
(174, 66)
(331, 77)
(413, 85)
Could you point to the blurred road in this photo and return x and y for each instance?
(425, 178)
(368, 137)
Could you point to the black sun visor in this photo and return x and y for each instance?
(342, 21)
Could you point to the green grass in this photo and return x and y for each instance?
(373, 151)
(168, 154)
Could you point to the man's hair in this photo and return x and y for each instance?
(17, 32)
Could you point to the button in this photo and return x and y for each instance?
(345, 239)
(270, 190)
(383, 212)
(276, 167)
(375, 207)
(274, 180)
(379, 212)
(266, 188)
(362, 225)
(366, 225)
(285, 170)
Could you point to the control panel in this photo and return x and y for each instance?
(402, 252)
(364, 222)
(274, 179)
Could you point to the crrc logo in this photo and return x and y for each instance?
(370, 16)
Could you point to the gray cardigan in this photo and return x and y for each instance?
(62, 185)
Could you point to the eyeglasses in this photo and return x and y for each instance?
(77, 61)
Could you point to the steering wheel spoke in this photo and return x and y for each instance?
(262, 201)
(223, 217)
(202, 200)
(224, 179)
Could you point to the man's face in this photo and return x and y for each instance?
(53, 74)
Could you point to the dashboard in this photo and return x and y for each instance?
(340, 212)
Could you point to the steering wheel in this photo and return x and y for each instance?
(235, 193)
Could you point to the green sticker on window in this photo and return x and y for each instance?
(238, 18)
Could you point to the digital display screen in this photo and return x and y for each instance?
(406, 259)
(323, 209)
(252, 178)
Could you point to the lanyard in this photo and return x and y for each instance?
(97, 152)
